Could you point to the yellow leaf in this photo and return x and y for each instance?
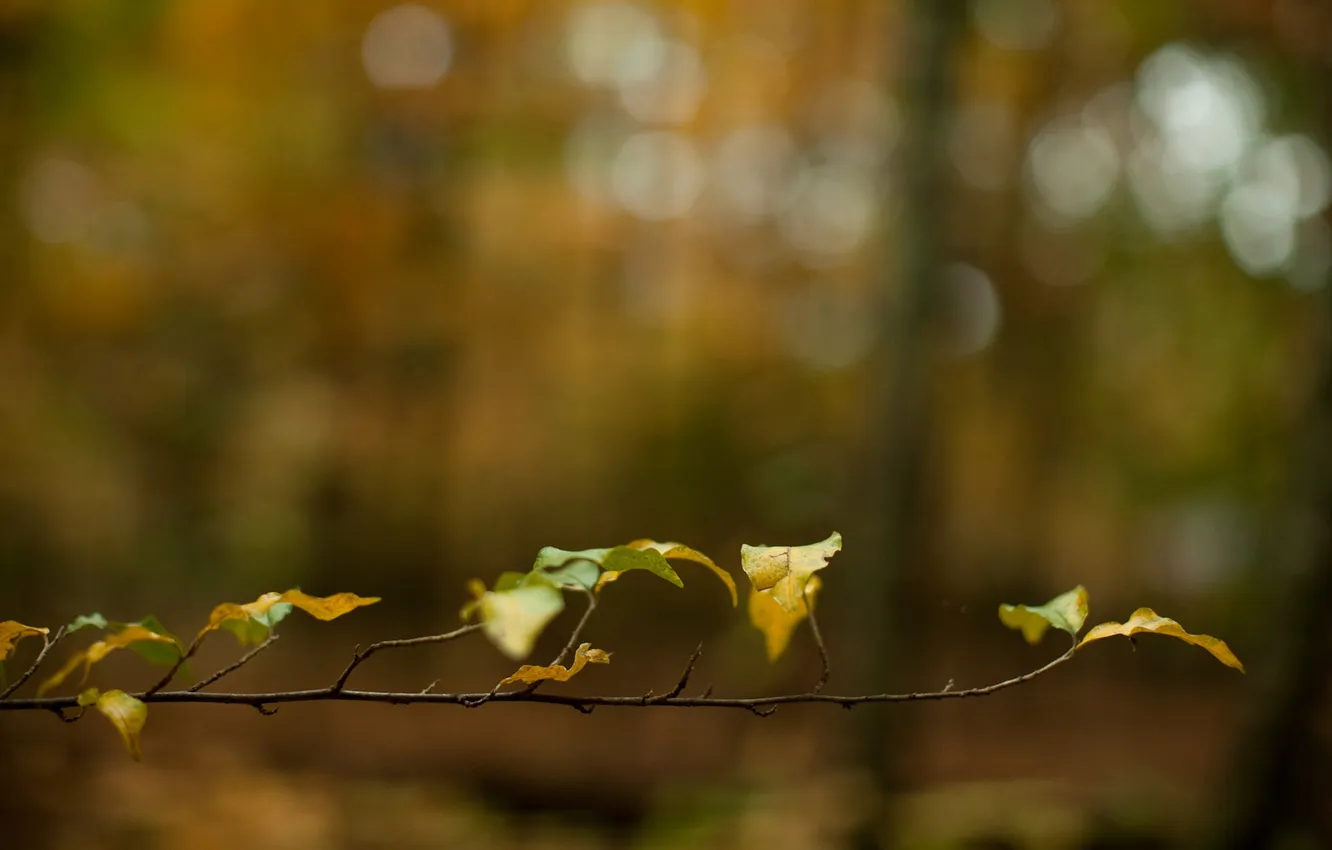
(323, 608)
(514, 618)
(12, 632)
(683, 552)
(127, 714)
(101, 649)
(776, 623)
(783, 571)
(531, 674)
(1147, 620)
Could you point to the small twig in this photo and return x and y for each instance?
(265, 710)
(585, 709)
(241, 662)
(818, 642)
(430, 687)
(680, 684)
(180, 662)
(68, 718)
(47, 645)
(360, 655)
(763, 711)
(573, 638)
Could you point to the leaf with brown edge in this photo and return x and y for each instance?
(685, 553)
(1067, 612)
(252, 622)
(101, 649)
(125, 712)
(1145, 620)
(783, 571)
(531, 673)
(11, 632)
(776, 623)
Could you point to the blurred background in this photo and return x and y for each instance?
(377, 297)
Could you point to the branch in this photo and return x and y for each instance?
(818, 641)
(232, 668)
(47, 645)
(359, 655)
(180, 662)
(758, 705)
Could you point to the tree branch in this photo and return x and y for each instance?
(359, 655)
(232, 668)
(332, 693)
(47, 645)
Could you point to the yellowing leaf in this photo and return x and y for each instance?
(679, 550)
(776, 623)
(512, 619)
(127, 714)
(1148, 621)
(1067, 611)
(252, 621)
(96, 652)
(531, 674)
(783, 571)
(12, 632)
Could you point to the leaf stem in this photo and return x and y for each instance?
(47, 645)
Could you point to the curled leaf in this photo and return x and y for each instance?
(11, 632)
(127, 714)
(128, 636)
(531, 673)
(513, 618)
(85, 621)
(1145, 620)
(683, 552)
(776, 623)
(1067, 612)
(783, 571)
(252, 622)
(614, 561)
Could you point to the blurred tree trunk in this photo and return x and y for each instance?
(1276, 778)
(901, 397)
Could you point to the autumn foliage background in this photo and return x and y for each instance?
(380, 298)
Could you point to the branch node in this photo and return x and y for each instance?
(583, 708)
(763, 710)
(68, 718)
(265, 710)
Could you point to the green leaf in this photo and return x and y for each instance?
(1145, 620)
(615, 561)
(248, 630)
(508, 580)
(154, 651)
(622, 559)
(683, 552)
(552, 556)
(85, 621)
(575, 575)
(1067, 612)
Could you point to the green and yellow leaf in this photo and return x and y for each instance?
(127, 636)
(685, 553)
(531, 673)
(86, 621)
(253, 621)
(776, 623)
(783, 571)
(125, 712)
(1147, 621)
(11, 632)
(1067, 612)
(513, 618)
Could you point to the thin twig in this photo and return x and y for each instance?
(332, 694)
(818, 641)
(360, 655)
(180, 662)
(47, 645)
(232, 668)
(683, 681)
(573, 638)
